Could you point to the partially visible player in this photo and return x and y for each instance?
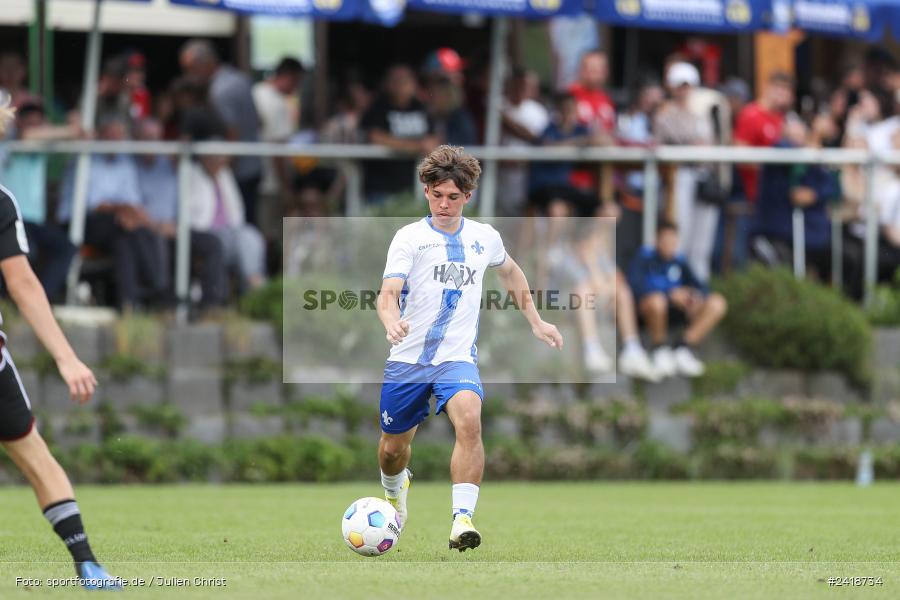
(429, 304)
(18, 434)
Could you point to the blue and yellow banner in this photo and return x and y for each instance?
(529, 9)
(384, 12)
(712, 16)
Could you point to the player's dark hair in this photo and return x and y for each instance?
(450, 163)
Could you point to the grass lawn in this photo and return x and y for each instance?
(541, 540)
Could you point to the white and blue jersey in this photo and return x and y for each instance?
(441, 300)
(442, 295)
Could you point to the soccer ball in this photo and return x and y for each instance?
(371, 526)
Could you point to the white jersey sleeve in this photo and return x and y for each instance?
(400, 256)
(497, 250)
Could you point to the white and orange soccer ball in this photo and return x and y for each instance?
(371, 527)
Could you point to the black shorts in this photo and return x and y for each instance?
(16, 418)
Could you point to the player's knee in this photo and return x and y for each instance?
(393, 449)
(468, 425)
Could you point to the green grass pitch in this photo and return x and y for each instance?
(541, 540)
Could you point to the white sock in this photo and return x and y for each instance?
(393, 483)
(465, 496)
(632, 344)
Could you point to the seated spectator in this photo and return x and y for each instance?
(26, 175)
(343, 126)
(117, 224)
(216, 208)
(784, 188)
(398, 120)
(159, 197)
(13, 74)
(452, 123)
(668, 292)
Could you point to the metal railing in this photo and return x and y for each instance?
(348, 156)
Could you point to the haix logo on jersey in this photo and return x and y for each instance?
(460, 275)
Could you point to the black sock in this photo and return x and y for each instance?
(65, 518)
(680, 343)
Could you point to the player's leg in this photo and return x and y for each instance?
(403, 405)
(51, 486)
(701, 321)
(654, 309)
(466, 467)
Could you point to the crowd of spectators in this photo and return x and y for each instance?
(238, 202)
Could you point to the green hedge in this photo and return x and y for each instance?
(131, 459)
(778, 321)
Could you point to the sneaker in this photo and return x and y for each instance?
(664, 362)
(399, 502)
(597, 361)
(94, 577)
(463, 534)
(636, 364)
(688, 364)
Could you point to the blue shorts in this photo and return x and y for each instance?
(407, 388)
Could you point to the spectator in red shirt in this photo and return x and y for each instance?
(595, 109)
(760, 124)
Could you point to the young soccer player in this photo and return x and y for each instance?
(17, 432)
(429, 304)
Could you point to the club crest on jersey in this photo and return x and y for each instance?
(460, 275)
(478, 248)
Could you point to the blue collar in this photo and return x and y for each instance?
(462, 221)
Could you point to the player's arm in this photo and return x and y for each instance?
(28, 294)
(388, 308)
(513, 279)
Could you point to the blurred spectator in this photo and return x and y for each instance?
(879, 69)
(635, 125)
(116, 223)
(140, 102)
(595, 109)
(159, 196)
(276, 102)
(444, 63)
(524, 120)
(343, 127)
(737, 93)
(216, 208)
(26, 175)
(551, 189)
(452, 123)
(13, 74)
(231, 95)
(398, 120)
(192, 117)
(784, 188)
(677, 124)
(668, 293)
(113, 101)
(760, 123)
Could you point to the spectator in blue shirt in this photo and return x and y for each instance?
(551, 190)
(159, 195)
(784, 188)
(116, 223)
(667, 291)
